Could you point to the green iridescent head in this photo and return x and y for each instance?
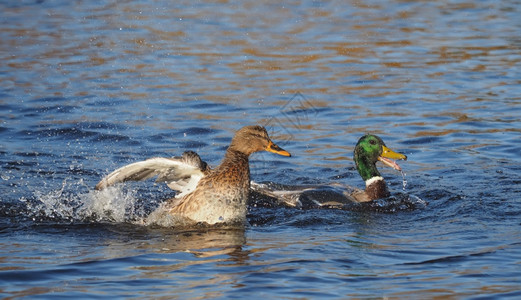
(369, 150)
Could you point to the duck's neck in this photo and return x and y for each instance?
(236, 163)
(375, 186)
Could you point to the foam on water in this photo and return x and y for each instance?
(115, 205)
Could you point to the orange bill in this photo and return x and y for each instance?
(276, 149)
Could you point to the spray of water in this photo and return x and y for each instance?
(404, 180)
(114, 204)
(77, 202)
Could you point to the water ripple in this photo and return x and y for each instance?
(88, 87)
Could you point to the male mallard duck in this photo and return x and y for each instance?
(206, 195)
(369, 150)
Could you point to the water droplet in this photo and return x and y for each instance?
(404, 182)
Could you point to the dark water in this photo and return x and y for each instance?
(87, 86)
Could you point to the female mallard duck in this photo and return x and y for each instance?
(206, 195)
(369, 150)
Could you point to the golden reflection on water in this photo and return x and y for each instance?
(247, 62)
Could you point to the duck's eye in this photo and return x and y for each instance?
(372, 142)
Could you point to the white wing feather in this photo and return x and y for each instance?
(177, 173)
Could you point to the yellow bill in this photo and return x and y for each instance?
(387, 158)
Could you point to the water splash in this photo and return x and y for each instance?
(404, 180)
(396, 202)
(77, 202)
(70, 204)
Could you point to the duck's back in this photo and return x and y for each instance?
(221, 196)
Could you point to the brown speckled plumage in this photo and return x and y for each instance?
(204, 195)
(221, 195)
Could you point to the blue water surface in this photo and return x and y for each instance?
(88, 86)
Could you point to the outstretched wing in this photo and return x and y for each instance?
(304, 196)
(180, 173)
(279, 193)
